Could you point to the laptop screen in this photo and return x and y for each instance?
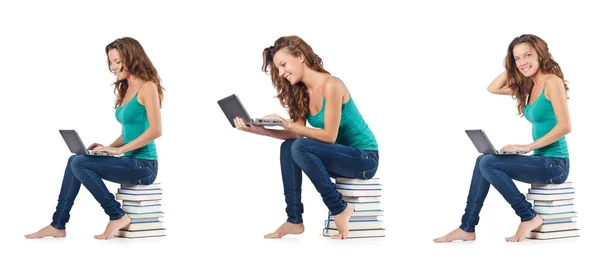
(232, 108)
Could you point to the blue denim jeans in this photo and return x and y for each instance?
(320, 162)
(89, 171)
(499, 170)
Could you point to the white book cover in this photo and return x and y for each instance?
(550, 197)
(355, 181)
(554, 209)
(358, 187)
(145, 191)
(141, 187)
(553, 202)
(553, 186)
(138, 197)
(357, 233)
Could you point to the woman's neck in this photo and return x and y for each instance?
(539, 77)
(134, 82)
(314, 80)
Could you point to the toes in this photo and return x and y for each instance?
(337, 236)
(271, 235)
(33, 235)
(512, 239)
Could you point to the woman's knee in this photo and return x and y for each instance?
(485, 161)
(286, 146)
(300, 146)
(77, 161)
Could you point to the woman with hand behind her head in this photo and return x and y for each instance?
(537, 82)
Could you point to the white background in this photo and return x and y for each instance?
(418, 73)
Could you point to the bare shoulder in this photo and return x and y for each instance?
(148, 88)
(334, 88)
(554, 80)
(554, 88)
(148, 93)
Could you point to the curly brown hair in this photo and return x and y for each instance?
(136, 62)
(520, 84)
(292, 97)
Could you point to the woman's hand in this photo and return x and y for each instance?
(93, 146)
(514, 147)
(116, 151)
(241, 125)
(284, 123)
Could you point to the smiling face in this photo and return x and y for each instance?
(289, 67)
(526, 59)
(117, 67)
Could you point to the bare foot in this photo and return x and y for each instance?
(342, 221)
(525, 228)
(113, 227)
(47, 231)
(285, 229)
(457, 234)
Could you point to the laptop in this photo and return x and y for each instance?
(484, 146)
(76, 146)
(233, 108)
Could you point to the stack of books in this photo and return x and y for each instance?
(142, 203)
(555, 204)
(366, 220)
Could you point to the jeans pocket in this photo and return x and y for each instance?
(139, 164)
(364, 155)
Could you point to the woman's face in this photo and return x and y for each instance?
(116, 65)
(289, 66)
(526, 59)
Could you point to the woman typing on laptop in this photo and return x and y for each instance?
(340, 144)
(139, 98)
(537, 82)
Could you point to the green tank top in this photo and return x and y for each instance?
(134, 121)
(542, 117)
(353, 130)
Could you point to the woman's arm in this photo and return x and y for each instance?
(333, 92)
(148, 97)
(285, 134)
(275, 133)
(97, 146)
(117, 143)
(499, 85)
